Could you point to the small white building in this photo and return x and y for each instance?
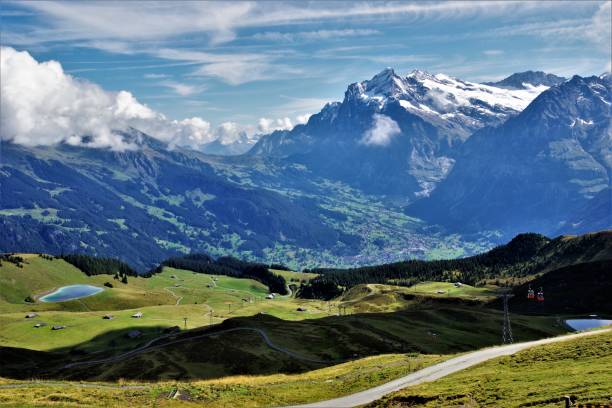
(270, 296)
(137, 315)
(31, 315)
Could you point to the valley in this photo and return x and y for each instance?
(305, 204)
(223, 340)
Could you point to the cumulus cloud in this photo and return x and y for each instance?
(266, 125)
(382, 131)
(42, 105)
(302, 119)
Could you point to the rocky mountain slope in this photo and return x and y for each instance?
(396, 135)
(539, 171)
(142, 205)
(527, 79)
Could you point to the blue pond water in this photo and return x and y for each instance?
(70, 293)
(585, 324)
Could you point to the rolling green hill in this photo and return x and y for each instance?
(237, 347)
(523, 258)
(164, 299)
(582, 289)
(537, 377)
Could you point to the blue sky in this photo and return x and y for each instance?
(241, 61)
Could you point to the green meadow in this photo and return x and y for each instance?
(312, 349)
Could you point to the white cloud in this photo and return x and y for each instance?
(301, 106)
(313, 35)
(137, 21)
(42, 105)
(600, 30)
(155, 76)
(235, 69)
(266, 125)
(302, 119)
(492, 53)
(382, 131)
(182, 88)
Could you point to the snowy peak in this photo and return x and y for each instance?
(523, 80)
(466, 105)
(580, 102)
(384, 84)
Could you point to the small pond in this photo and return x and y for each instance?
(70, 293)
(585, 324)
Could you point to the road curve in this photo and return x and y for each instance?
(436, 371)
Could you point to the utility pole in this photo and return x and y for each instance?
(185, 319)
(507, 329)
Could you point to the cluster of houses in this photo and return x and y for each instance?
(32, 315)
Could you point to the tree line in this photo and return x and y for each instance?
(511, 259)
(92, 265)
(228, 266)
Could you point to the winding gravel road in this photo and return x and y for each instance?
(436, 371)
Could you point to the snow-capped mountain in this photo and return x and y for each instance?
(462, 106)
(230, 144)
(527, 79)
(538, 171)
(395, 134)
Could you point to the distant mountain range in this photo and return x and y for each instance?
(524, 80)
(396, 135)
(540, 170)
(421, 165)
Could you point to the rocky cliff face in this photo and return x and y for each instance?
(396, 135)
(536, 170)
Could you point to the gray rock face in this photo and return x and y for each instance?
(538, 170)
(522, 80)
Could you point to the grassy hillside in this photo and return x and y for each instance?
(294, 277)
(243, 391)
(427, 327)
(523, 258)
(164, 299)
(388, 298)
(584, 288)
(537, 377)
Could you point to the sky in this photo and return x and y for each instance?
(265, 65)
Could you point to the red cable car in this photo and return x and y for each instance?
(530, 293)
(540, 297)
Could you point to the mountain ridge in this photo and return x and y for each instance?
(536, 169)
(385, 120)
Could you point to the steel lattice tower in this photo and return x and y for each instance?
(507, 328)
